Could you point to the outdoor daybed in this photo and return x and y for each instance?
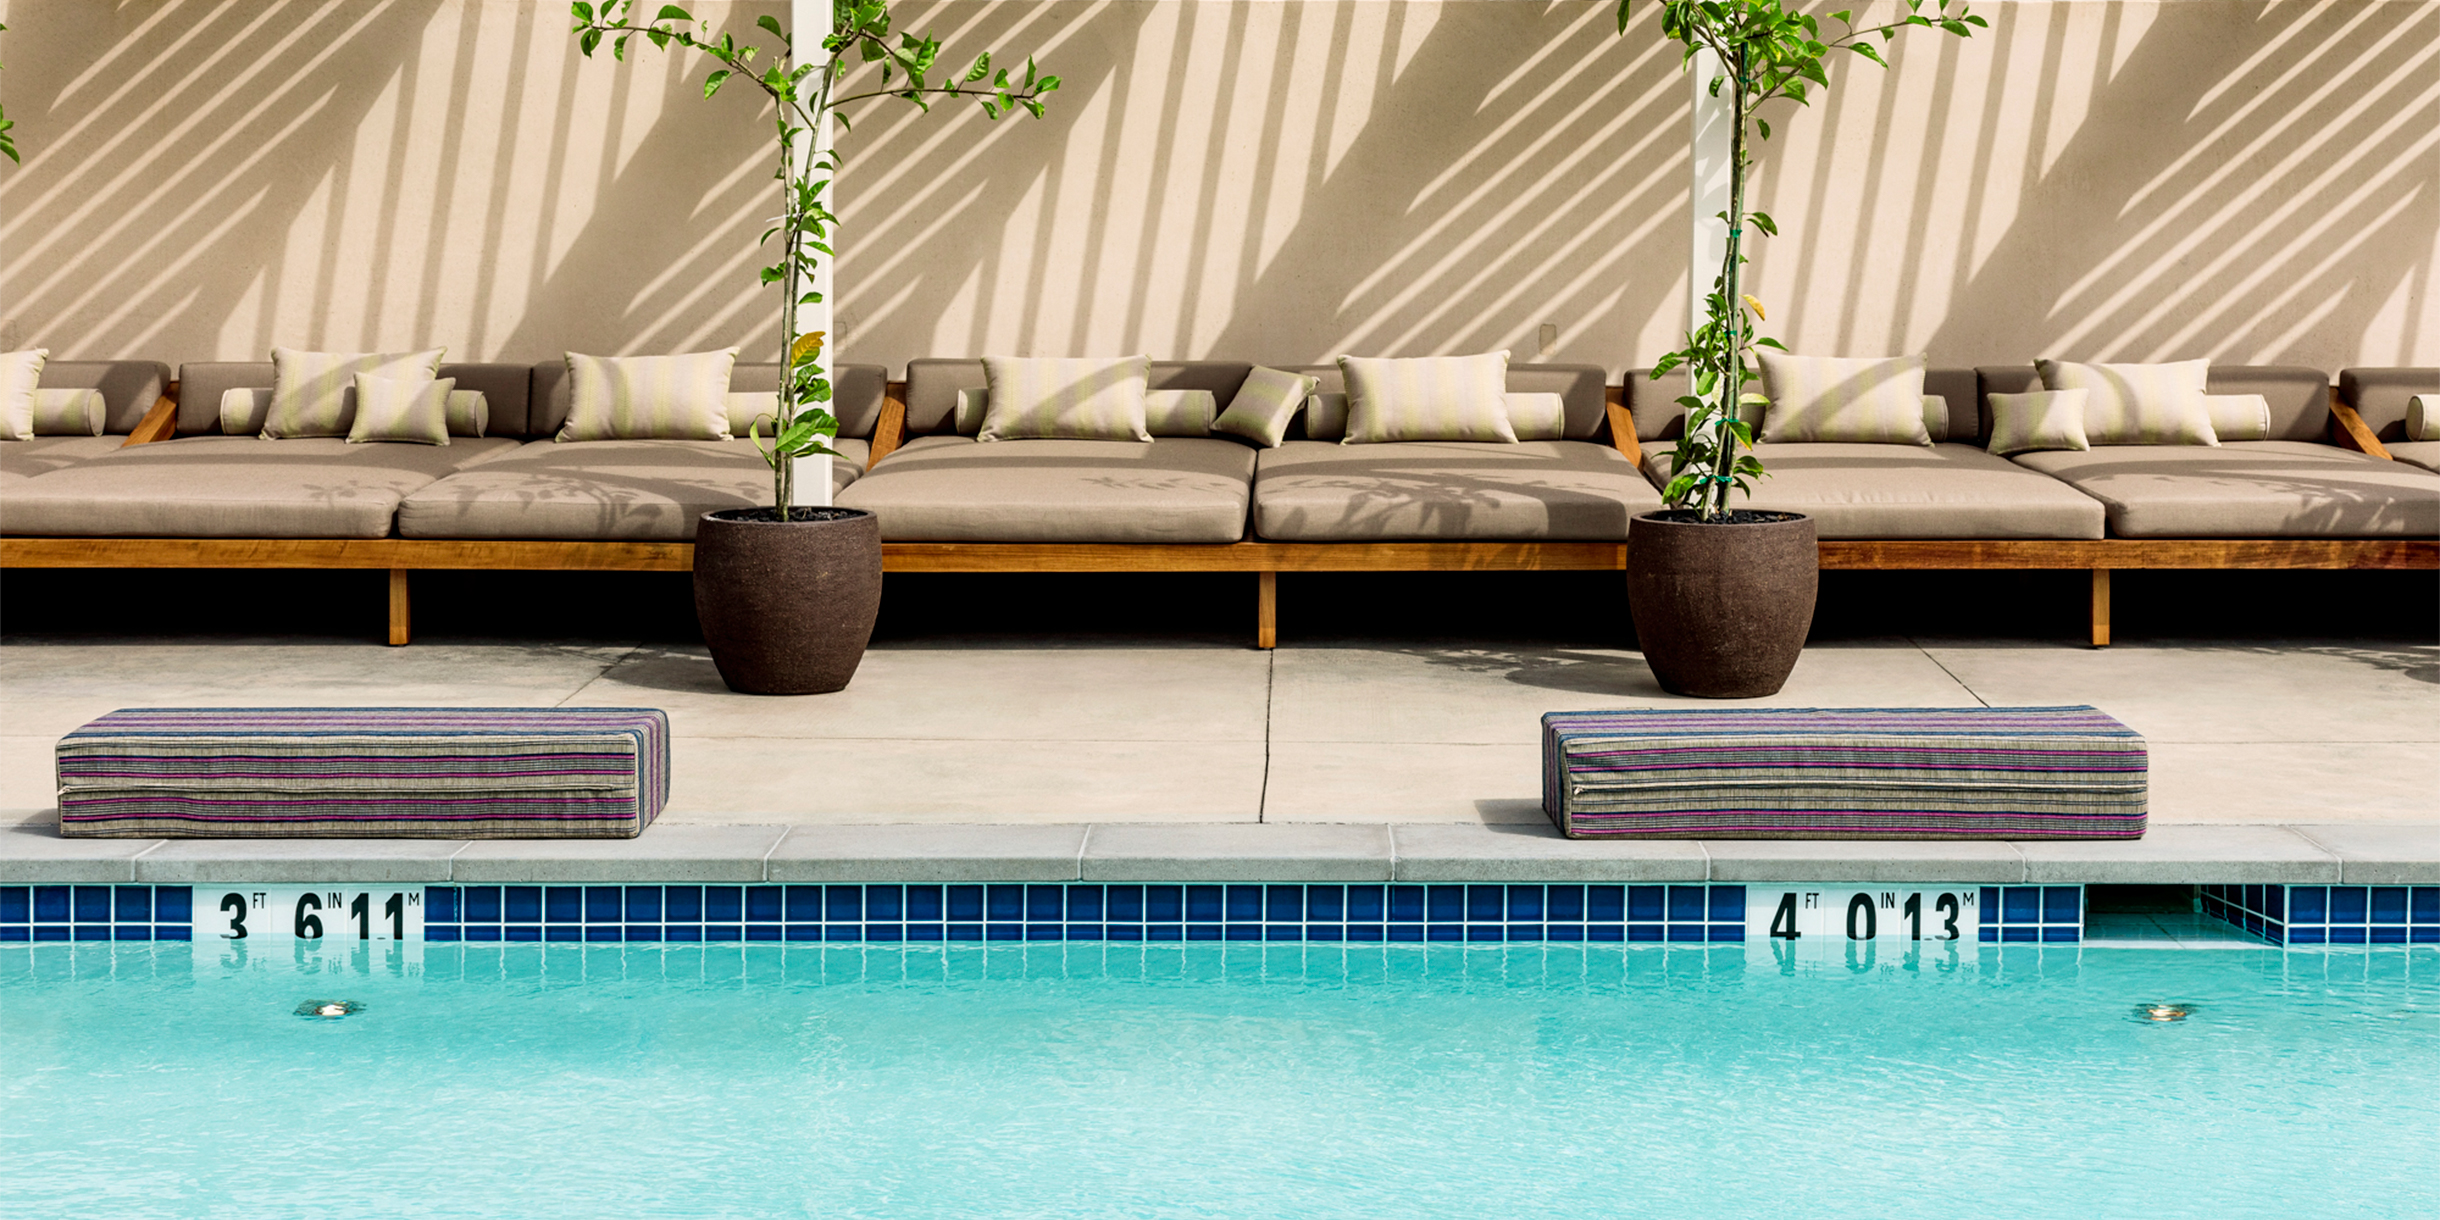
(130, 389)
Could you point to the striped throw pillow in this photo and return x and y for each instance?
(2239, 417)
(1264, 405)
(1827, 398)
(1089, 399)
(20, 375)
(242, 409)
(390, 409)
(69, 412)
(1427, 398)
(2043, 419)
(636, 398)
(469, 413)
(1536, 417)
(2138, 404)
(1179, 412)
(314, 393)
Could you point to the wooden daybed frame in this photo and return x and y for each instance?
(400, 556)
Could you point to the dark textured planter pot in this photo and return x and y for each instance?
(787, 608)
(1721, 610)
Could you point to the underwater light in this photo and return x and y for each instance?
(328, 1009)
(2163, 1012)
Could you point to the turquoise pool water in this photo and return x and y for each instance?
(1224, 1081)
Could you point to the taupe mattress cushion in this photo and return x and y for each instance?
(2250, 489)
(1316, 491)
(954, 489)
(2421, 453)
(238, 487)
(1910, 491)
(22, 460)
(598, 490)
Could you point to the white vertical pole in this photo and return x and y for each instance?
(1711, 131)
(808, 25)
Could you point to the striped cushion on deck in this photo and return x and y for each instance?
(365, 772)
(1844, 773)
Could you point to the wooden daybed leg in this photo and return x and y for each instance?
(1266, 611)
(398, 607)
(2101, 607)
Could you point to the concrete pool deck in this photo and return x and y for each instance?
(2295, 761)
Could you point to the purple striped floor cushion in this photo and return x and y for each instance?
(1844, 773)
(365, 772)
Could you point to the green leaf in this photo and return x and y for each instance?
(712, 83)
(583, 11)
(771, 23)
(1763, 222)
(671, 12)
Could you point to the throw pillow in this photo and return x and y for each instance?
(242, 410)
(20, 375)
(1427, 398)
(2423, 417)
(746, 407)
(69, 412)
(2239, 417)
(1536, 417)
(469, 412)
(1179, 412)
(635, 398)
(1264, 405)
(1936, 417)
(2138, 404)
(395, 409)
(1827, 398)
(1326, 416)
(2043, 419)
(1089, 399)
(314, 393)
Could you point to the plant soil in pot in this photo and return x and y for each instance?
(787, 606)
(1722, 607)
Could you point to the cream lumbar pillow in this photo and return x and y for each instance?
(242, 409)
(314, 393)
(747, 407)
(635, 398)
(2138, 404)
(1326, 416)
(1180, 412)
(1056, 398)
(1427, 398)
(1828, 398)
(469, 412)
(2238, 417)
(972, 406)
(20, 376)
(1536, 417)
(1264, 406)
(70, 412)
(396, 409)
(2043, 419)
(2423, 417)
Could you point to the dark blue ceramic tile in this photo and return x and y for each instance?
(1283, 931)
(1325, 931)
(1367, 932)
(133, 904)
(1045, 903)
(887, 903)
(1646, 931)
(603, 933)
(1326, 903)
(1605, 931)
(764, 903)
(144, 932)
(2059, 935)
(1123, 931)
(1202, 931)
(93, 904)
(1728, 933)
(1525, 904)
(1406, 932)
(1244, 903)
(1125, 903)
(1566, 931)
(2389, 904)
(1284, 903)
(682, 903)
(93, 932)
(643, 904)
(16, 932)
(55, 932)
(483, 932)
(847, 932)
(2389, 934)
(1685, 904)
(1003, 931)
(762, 931)
(1647, 902)
(1486, 903)
(1085, 903)
(887, 933)
(1686, 932)
(173, 931)
(2060, 904)
(2348, 904)
(563, 904)
(2021, 904)
(811, 931)
(2342, 935)
(926, 903)
(603, 904)
(440, 904)
(927, 932)
(841, 903)
(569, 932)
(683, 932)
(644, 932)
(1406, 904)
(1203, 903)
(1990, 903)
(803, 904)
(1445, 902)
(16, 904)
(1605, 903)
(1728, 903)
(966, 931)
(2308, 903)
(1164, 931)
(723, 932)
(2424, 906)
(1367, 903)
(966, 902)
(1565, 903)
(723, 904)
(441, 933)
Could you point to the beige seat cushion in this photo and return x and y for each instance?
(954, 489)
(2250, 489)
(2421, 453)
(595, 490)
(238, 487)
(1315, 491)
(1910, 491)
(22, 460)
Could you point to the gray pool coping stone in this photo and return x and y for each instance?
(2297, 854)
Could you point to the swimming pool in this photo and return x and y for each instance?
(167, 1079)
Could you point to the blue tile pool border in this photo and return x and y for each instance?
(96, 912)
(2329, 914)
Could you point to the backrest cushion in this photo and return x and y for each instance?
(1658, 417)
(2298, 398)
(856, 391)
(202, 385)
(2378, 395)
(1582, 387)
(933, 383)
(129, 387)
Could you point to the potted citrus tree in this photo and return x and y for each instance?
(1722, 597)
(787, 595)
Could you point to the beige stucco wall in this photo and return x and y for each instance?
(2247, 181)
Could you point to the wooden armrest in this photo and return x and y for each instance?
(160, 423)
(891, 432)
(2347, 430)
(1622, 424)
